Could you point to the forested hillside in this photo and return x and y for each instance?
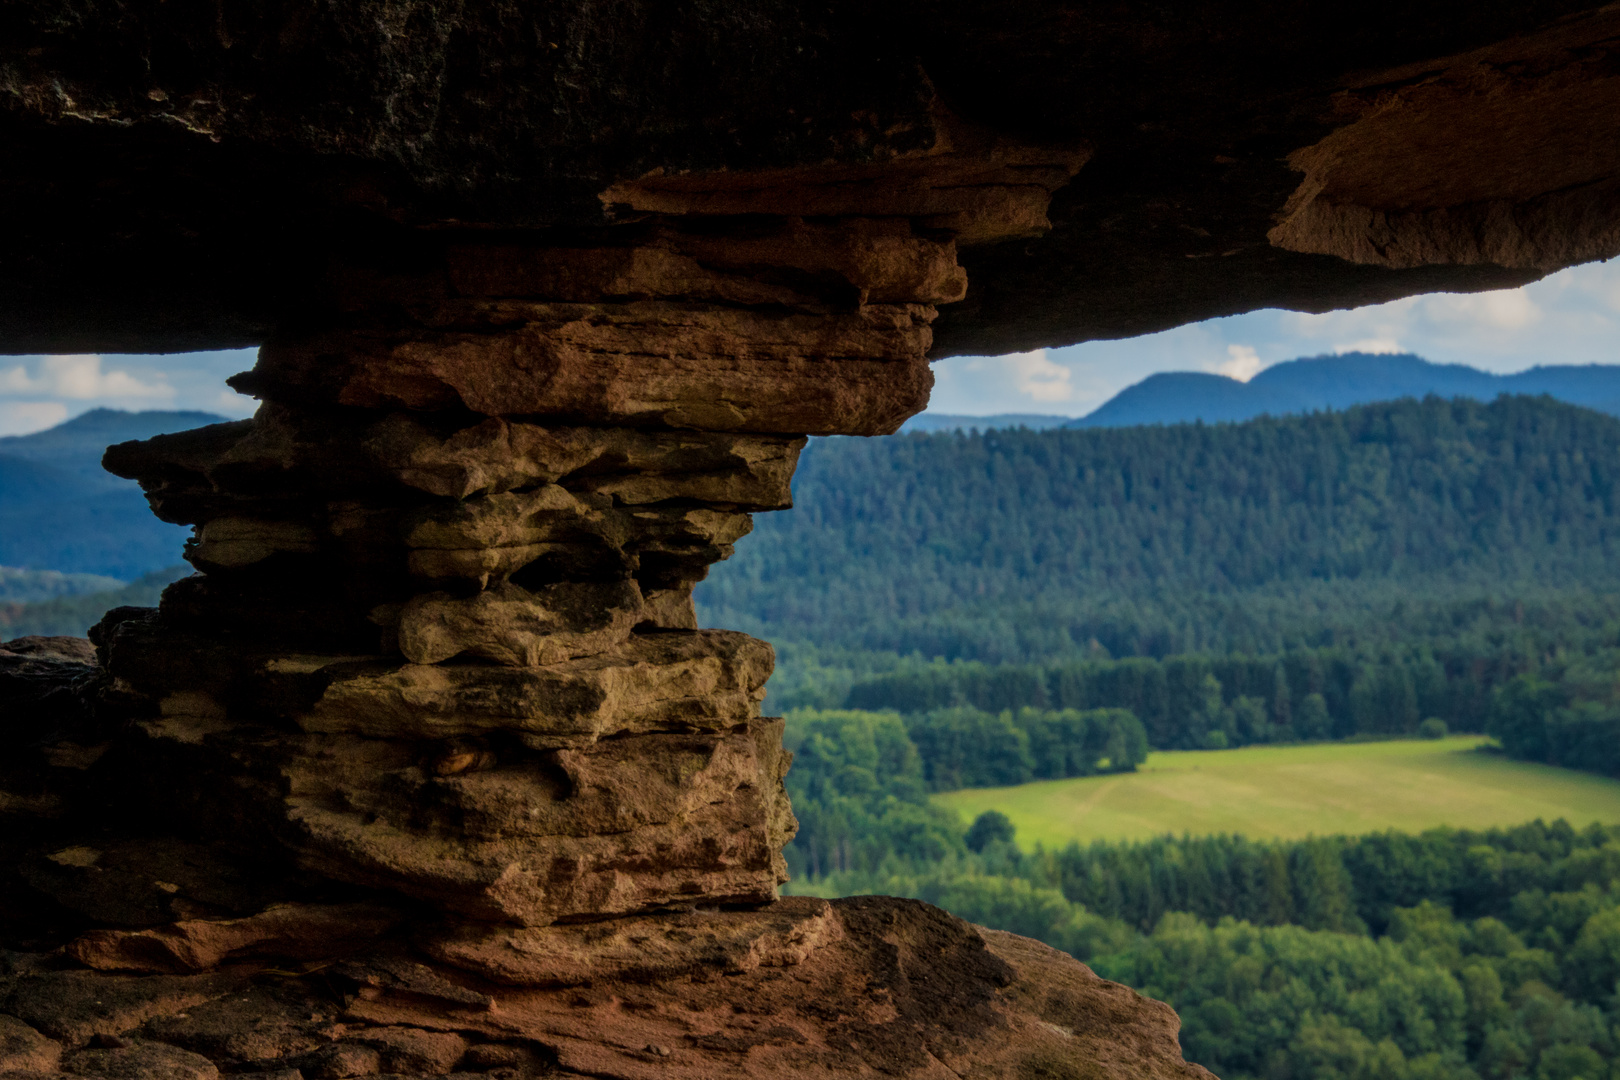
(1339, 382)
(978, 610)
(60, 510)
(1450, 955)
(1011, 546)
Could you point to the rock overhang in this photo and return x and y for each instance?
(549, 300)
(187, 176)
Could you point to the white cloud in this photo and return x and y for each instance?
(1039, 377)
(1243, 363)
(37, 392)
(232, 404)
(27, 417)
(79, 378)
(1505, 309)
(1378, 346)
(1031, 375)
(1571, 317)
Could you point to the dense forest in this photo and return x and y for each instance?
(73, 613)
(984, 609)
(980, 610)
(1022, 546)
(1563, 662)
(1450, 955)
(1566, 713)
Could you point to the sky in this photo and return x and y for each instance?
(1572, 317)
(37, 392)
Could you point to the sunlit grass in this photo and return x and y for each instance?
(1295, 791)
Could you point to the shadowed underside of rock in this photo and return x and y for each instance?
(186, 176)
(429, 768)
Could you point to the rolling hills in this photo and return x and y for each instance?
(1020, 545)
(62, 512)
(1339, 382)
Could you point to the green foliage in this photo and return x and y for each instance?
(1286, 1001)
(998, 608)
(73, 615)
(1299, 578)
(990, 827)
(1396, 522)
(1195, 702)
(1568, 713)
(860, 780)
(1451, 954)
(858, 790)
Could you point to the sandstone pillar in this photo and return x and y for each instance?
(442, 641)
(434, 770)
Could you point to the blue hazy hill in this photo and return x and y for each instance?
(926, 422)
(59, 510)
(1338, 382)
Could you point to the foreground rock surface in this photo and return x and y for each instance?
(862, 986)
(128, 951)
(430, 767)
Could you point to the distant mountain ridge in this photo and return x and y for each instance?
(928, 422)
(1339, 382)
(60, 510)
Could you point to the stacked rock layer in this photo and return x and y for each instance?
(442, 642)
(458, 659)
(429, 769)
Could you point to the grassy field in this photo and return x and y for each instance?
(1295, 791)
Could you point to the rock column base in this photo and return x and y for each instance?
(803, 988)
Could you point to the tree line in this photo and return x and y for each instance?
(860, 780)
(1019, 546)
(1450, 955)
(1564, 713)
(1199, 702)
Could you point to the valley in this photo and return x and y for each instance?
(1151, 695)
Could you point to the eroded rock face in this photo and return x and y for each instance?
(182, 963)
(167, 193)
(805, 988)
(442, 642)
(434, 728)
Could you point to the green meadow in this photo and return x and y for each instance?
(1290, 792)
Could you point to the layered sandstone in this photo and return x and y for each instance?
(438, 770)
(136, 953)
(189, 176)
(442, 642)
(429, 767)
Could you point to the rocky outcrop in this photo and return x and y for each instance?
(143, 955)
(429, 768)
(442, 642)
(192, 177)
(806, 988)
